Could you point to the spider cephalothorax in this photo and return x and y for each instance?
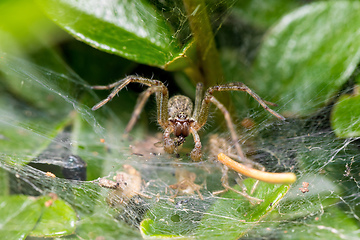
(180, 108)
(177, 115)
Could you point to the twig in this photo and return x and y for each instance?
(282, 178)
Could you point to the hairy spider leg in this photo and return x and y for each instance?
(237, 86)
(196, 152)
(162, 96)
(231, 128)
(142, 99)
(225, 184)
(209, 98)
(256, 164)
(169, 145)
(198, 99)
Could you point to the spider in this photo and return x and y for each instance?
(177, 115)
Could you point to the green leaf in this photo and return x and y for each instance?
(308, 55)
(263, 12)
(183, 60)
(4, 182)
(102, 225)
(131, 29)
(35, 85)
(26, 22)
(22, 215)
(58, 219)
(332, 223)
(323, 193)
(169, 220)
(229, 217)
(26, 129)
(149, 232)
(18, 216)
(237, 215)
(345, 116)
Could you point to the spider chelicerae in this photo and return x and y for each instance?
(177, 115)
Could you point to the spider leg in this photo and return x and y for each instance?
(196, 152)
(194, 187)
(230, 125)
(169, 144)
(198, 98)
(156, 86)
(140, 105)
(117, 87)
(209, 98)
(225, 184)
(199, 193)
(175, 194)
(238, 86)
(107, 87)
(258, 165)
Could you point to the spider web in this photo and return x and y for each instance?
(57, 122)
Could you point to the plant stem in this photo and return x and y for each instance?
(209, 62)
(208, 70)
(269, 177)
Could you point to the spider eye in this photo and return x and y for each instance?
(182, 115)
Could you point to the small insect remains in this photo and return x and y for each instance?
(126, 185)
(178, 116)
(186, 183)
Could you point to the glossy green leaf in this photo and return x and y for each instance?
(4, 182)
(101, 225)
(308, 55)
(22, 216)
(173, 220)
(16, 129)
(262, 12)
(57, 219)
(333, 223)
(131, 29)
(183, 60)
(27, 23)
(237, 215)
(33, 84)
(323, 193)
(345, 117)
(28, 129)
(18, 216)
(229, 217)
(149, 232)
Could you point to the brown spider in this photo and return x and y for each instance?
(176, 115)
